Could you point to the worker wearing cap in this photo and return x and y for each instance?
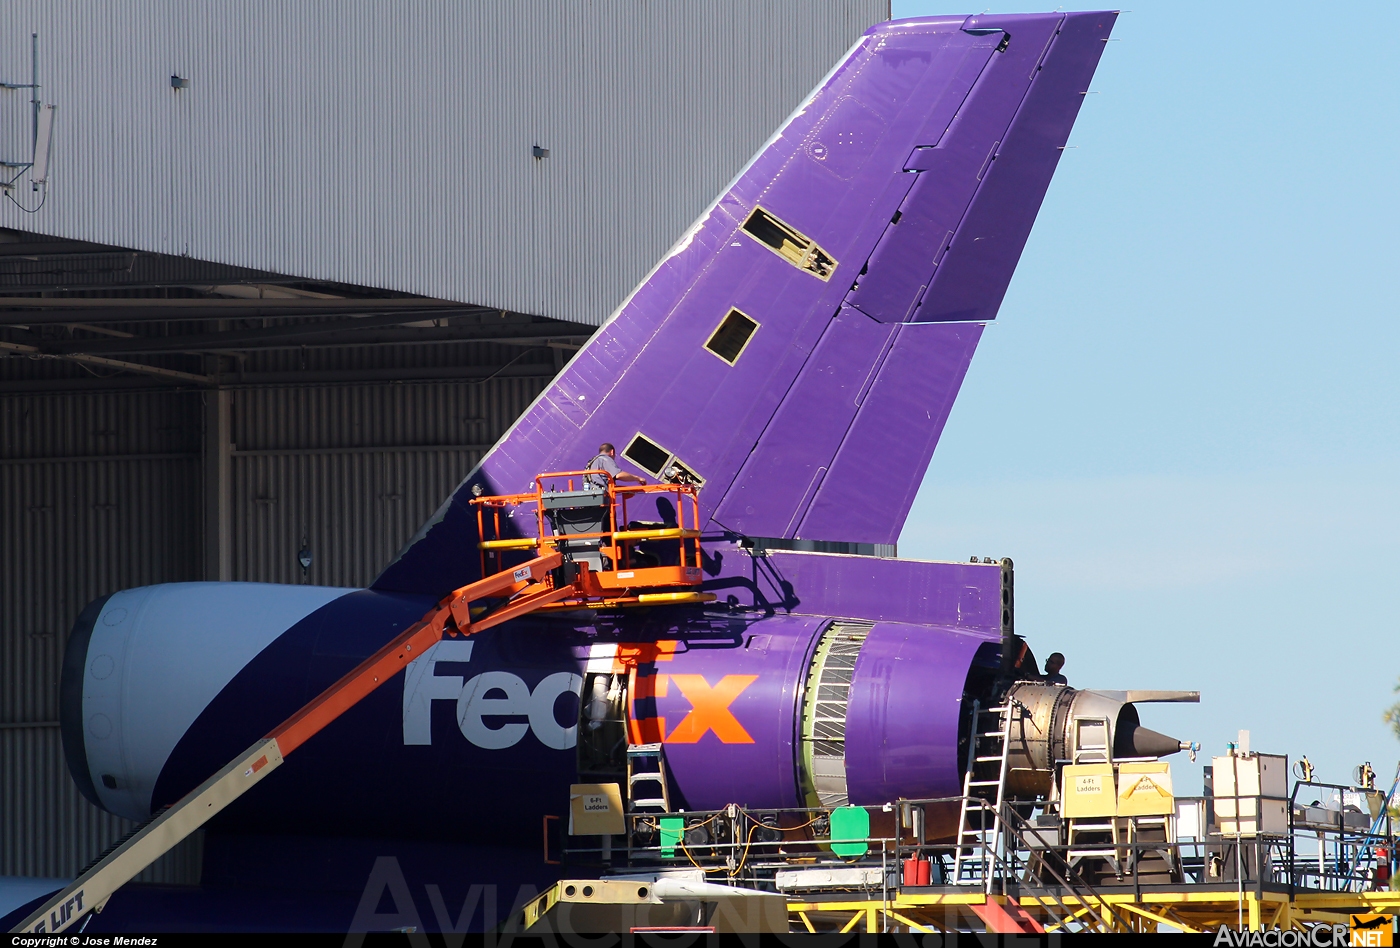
(606, 460)
(1053, 664)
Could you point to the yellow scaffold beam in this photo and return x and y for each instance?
(1056, 926)
(916, 926)
(1159, 919)
(1381, 902)
(1188, 908)
(900, 901)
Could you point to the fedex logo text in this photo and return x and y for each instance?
(492, 694)
(709, 709)
(710, 705)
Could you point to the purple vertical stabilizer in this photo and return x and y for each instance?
(783, 350)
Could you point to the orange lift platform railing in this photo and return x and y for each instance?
(581, 560)
(611, 560)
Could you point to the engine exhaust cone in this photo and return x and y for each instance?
(1145, 742)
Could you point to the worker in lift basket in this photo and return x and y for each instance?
(1053, 664)
(606, 460)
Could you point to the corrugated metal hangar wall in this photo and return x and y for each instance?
(290, 304)
(390, 145)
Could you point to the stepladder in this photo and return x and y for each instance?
(646, 767)
(980, 831)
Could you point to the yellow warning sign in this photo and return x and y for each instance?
(1088, 791)
(1145, 789)
(595, 809)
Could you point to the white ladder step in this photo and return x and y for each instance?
(973, 857)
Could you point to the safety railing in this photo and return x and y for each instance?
(564, 499)
(1343, 839)
(752, 846)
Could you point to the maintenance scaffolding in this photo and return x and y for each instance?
(1007, 865)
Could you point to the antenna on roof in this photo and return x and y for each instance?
(40, 131)
(39, 168)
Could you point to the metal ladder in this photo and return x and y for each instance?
(1091, 745)
(979, 838)
(645, 753)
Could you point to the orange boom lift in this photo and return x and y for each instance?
(578, 559)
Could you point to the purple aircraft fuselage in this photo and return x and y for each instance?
(796, 354)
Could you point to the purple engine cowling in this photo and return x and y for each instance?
(810, 711)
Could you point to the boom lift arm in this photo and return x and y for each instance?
(570, 570)
(529, 586)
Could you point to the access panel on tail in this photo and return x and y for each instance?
(798, 351)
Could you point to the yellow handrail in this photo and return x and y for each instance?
(524, 543)
(674, 533)
(676, 597)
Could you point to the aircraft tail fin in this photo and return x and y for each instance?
(798, 350)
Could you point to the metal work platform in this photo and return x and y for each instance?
(1186, 908)
(615, 562)
(837, 883)
(1109, 849)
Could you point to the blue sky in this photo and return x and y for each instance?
(1182, 426)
